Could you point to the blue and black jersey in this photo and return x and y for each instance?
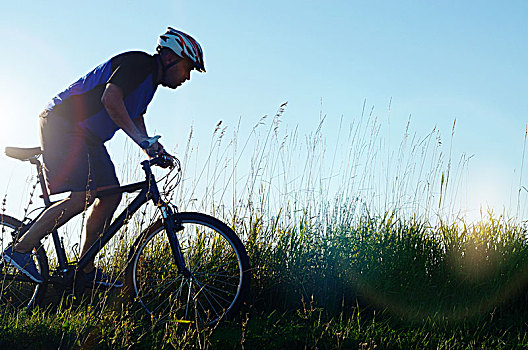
(134, 72)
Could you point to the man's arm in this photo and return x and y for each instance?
(140, 124)
(112, 99)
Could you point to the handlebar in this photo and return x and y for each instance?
(165, 160)
(161, 158)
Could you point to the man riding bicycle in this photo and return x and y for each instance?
(76, 124)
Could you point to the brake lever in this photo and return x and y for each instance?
(164, 160)
(169, 159)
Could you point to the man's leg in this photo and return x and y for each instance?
(98, 220)
(101, 213)
(53, 218)
(66, 167)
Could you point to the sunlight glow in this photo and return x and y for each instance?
(486, 192)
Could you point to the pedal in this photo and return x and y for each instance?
(69, 282)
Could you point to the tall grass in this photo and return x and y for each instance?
(352, 241)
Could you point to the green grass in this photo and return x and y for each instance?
(384, 283)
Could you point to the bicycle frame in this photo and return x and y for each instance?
(148, 192)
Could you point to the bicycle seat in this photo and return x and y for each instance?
(22, 153)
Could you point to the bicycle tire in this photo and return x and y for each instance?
(16, 290)
(216, 258)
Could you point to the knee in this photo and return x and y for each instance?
(80, 201)
(109, 203)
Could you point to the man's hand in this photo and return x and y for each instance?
(151, 146)
(154, 150)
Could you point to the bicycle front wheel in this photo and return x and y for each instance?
(216, 258)
(17, 290)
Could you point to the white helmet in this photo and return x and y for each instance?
(182, 45)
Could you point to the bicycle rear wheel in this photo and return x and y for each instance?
(17, 290)
(218, 263)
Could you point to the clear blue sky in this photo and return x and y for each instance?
(437, 61)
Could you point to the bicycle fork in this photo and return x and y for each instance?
(172, 227)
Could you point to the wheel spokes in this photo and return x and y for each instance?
(207, 294)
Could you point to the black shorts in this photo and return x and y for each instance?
(73, 159)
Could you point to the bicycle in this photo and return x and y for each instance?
(186, 266)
